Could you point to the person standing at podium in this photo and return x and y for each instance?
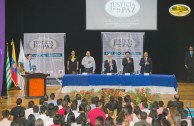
(128, 64)
(28, 64)
(146, 64)
(89, 63)
(72, 63)
(110, 65)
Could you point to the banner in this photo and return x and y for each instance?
(117, 43)
(47, 51)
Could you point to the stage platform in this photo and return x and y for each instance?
(160, 84)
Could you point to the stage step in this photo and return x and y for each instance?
(186, 91)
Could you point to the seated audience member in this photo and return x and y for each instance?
(22, 120)
(74, 109)
(30, 109)
(39, 122)
(78, 98)
(51, 113)
(43, 115)
(112, 102)
(153, 113)
(143, 121)
(156, 121)
(136, 114)
(59, 103)
(109, 121)
(99, 121)
(176, 117)
(31, 120)
(52, 99)
(81, 120)
(145, 108)
(184, 116)
(41, 102)
(62, 110)
(46, 98)
(160, 109)
(165, 119)
(93, 103)
(70, 119)
(36, 111)
(119, 104)
(96, 113)
(82, 109)
(141, 103)
(184, 123)
(154, 105)
(127, 99)
(57, 120)
(16, 110)
(5, 121)
(179, 104)
(119, 121)
(87, 109)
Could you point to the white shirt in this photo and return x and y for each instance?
(135, 119)
(48, 122)
(5, 122)
(28, 112)
(43, 117)
(27, 65)
(76, 113)
(89, 65)
(146, 110)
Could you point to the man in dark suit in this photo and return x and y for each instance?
(128, 64)
(146, 64)
(189, 64)
(110, 65)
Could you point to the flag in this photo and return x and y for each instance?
(21, 61)
(14, 69)
(21, 58)
(8, 73)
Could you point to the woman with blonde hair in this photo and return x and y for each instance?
(39, 122)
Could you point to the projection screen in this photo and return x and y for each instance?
(121, 14)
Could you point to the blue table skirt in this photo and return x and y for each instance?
(120, 80)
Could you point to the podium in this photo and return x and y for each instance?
(35, 84)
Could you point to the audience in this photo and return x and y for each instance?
(31, 120)
(142, 122)
(93, 114)
(39, 122)
(36, 111)
(30, 109)
(5, 121)
(113, 112)
(15, 111)
(52, 99)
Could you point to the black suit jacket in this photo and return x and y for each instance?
(128, 67)
(107, 67)
(145, 68)
(189, 61)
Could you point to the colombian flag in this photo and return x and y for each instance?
(14, 69)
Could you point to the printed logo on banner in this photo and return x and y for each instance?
(45, 44)
(122, 43)
(122, 8)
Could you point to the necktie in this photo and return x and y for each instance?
(30, 66)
